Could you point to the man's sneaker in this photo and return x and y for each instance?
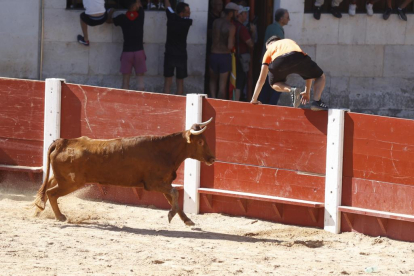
(370, 9)
(318, 105)
(387, 13)
(295, 96)
(352, 9)
(401, 14)
(335, 12)
(317, 13)
(81, 40)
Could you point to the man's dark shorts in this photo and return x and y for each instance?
(293, 63)
(172, 62)
(220, 63)
(94, 21)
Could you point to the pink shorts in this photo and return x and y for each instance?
(133, 59)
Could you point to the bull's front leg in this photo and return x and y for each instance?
(181, 213)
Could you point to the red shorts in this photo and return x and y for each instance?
(135, 60)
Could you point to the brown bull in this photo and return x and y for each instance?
(143, 161)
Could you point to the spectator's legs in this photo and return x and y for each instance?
(180, 86)
(318, 87)
(388, 10)
(84, 30)
(141, 85)
(125, 81)
(334, 9)
(405, 4)
(401, 11)
(223, 80)
(167, 85)
(213, 83)
(319, 3)
(317, 9)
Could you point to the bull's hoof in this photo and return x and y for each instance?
(171, 214)
(189, 222)
(61, 218)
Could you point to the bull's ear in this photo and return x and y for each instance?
(188, 136)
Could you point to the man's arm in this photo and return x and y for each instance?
(259, 84)
(232, 34)
(306, 94)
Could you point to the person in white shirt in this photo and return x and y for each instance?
(94, 15)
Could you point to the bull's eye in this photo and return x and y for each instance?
(200, 142)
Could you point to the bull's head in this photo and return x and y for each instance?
(199, 148)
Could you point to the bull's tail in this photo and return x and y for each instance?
(40, 200)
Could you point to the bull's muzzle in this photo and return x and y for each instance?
(210, 161)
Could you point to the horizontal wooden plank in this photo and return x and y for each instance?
(280, 137)
(21, 168)
(22, 107)
(379, 148)
(374, 213)
(377, 195)
(263, 180)
(261, 197)
(99, 112)
(21, 152)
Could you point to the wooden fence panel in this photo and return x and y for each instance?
(21, 122)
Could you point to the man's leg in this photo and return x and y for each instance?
(167, 85)
(318, 87)
(84, 30)
(141, 85)
(223, 80)
(125, 81)
(180, 86)
(405, 4)
(213, 83)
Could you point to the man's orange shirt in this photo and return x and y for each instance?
(280, 48)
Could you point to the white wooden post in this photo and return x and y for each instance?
(52, 116)
(334, 164)
(192, 167)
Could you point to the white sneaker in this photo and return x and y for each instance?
(370, 10)
(352, 9)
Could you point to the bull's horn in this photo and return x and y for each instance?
(197, 132)
(206, 122)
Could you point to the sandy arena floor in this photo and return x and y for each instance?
(109, 239)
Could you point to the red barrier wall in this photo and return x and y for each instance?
(379, 172)
(265, 150)
(107, 113)
(21, 122)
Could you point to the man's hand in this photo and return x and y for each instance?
(255, 102)
(305, 97)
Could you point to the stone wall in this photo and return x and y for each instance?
(99, 63)
(368, 61)
(20, 33)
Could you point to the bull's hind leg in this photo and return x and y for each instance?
(181, 213)
(54, 193)
(40, 203)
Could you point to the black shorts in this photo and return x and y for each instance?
(94, 21)
(293, 63)
(172, 62)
